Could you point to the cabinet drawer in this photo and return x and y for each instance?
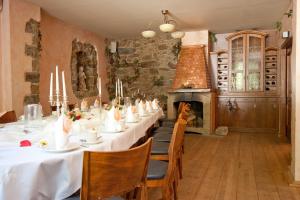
(222, 78)
(271, 83)
(222, 84)
(271, 88)
(223, 67)
(271, 65)
(221, 72)
(271, 77)
(271, 59)
(271, 71)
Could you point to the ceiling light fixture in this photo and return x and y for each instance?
(148, 34)
(166, 27)
(178, 34)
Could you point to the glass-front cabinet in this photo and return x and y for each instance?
(246, 61)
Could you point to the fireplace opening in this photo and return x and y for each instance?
(195, 116)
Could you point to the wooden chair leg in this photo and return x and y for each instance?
(166, 192)
(175, 190)
(180, 166)
(144, 193)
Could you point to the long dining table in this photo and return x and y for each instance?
(31, 173)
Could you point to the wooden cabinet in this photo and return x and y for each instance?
(258, 114)
(246, 61)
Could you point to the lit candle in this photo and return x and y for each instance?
(57, 81)
(121, 89)
(99, 82)
(51, 86)
(64, 85)
(116, 88)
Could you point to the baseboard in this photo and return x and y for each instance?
(292, 182)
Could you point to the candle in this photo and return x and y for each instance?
(99, 82)
(121, 89)
(51, 86)
(116, 88)
(57, 81)
(64, 85)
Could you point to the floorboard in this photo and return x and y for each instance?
(240, 166)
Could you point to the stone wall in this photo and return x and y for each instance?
(34, 51)
(145, 64)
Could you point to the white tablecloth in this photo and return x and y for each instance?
(31, 173)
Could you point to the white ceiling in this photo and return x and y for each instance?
(126, 18)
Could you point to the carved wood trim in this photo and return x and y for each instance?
(246, 32)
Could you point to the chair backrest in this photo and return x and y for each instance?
(175, 145)
(107, 174)
(7, 117)
(181, 106)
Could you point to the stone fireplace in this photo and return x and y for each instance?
(203, 97)
(192, 84)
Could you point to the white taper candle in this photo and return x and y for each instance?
(57, 81)
(121, 89)
(99, 83)
(64, 85)
(51, 87)
(116, 88)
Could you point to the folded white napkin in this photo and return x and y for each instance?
(111, 124)
(142, 109)
(62, 130)
(130, 116)
(96, 103)
(155, 105)
(84, 105)
(149, 107)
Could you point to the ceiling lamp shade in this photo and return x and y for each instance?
(178, 34)
(148, 34)
(166, 28)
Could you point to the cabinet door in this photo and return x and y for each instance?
(237, 60)
(223, 114)
(267, 113)
(254, 62)
(244, 115)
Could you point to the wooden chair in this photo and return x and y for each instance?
(169, 129)
(107, 174)
(8, 117)
(163, 174)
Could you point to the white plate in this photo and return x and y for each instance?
(110, 131)
(99, 140)
(71, 146)
(1, 125)
(136, 121)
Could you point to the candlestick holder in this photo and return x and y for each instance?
(64, 107)
(56, 103)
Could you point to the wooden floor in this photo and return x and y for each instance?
(240, 166)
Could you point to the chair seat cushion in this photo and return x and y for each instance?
(163, 130)
(159, 148)
(157, 169)
(162, 137)
(167, 122)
